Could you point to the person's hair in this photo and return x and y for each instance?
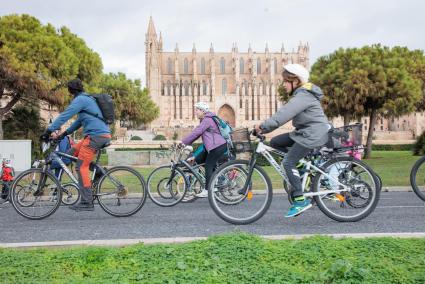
(75, 86)
(289, 77)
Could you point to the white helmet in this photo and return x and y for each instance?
(202, 106)
(299, 71)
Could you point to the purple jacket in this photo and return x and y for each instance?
(211, 136)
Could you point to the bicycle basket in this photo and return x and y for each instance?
(348, 135)
(241, 140)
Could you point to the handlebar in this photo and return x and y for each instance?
(258, 135)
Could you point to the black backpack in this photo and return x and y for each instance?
(106, 105)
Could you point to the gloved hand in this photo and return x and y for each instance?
(62, 135)
(181, 145)
(45, 136)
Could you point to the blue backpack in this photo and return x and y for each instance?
(225, 130)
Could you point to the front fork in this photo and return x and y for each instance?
(252, 162)
(42, 181)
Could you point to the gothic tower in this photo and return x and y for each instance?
(153, 49)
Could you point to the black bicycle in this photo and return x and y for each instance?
(181, 181)
(417, 178)
(120, 191)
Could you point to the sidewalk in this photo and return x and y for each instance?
(152, 241)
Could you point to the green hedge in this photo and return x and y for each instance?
(385, 147)
(159, 137)
(134, 138)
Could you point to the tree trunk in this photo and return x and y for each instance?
(5, 110)
(1, 127)
(346, 119)
(372, 122)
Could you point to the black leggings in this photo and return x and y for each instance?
(210, 158)
(295, 153)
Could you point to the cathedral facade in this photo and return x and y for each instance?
(241, 87)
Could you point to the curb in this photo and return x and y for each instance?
(153, 241)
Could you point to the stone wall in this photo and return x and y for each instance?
(138, 158)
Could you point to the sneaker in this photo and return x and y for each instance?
(202, 194)
(82, 206)
(298, 207)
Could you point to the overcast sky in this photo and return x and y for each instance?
(116, 29)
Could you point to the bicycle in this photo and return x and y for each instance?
(417, 178)
(120, 191)
(180, 181)
(345, 189)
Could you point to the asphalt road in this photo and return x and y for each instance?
(397, 212)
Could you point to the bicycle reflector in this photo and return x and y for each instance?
(249, 195)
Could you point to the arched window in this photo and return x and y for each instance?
(204, 88)
(258, 66)
(168, 88)
(241, 66)
(275, 66)
(169, 66)
(222, 65)
(223, 86)
(186, 66)
(203, 66)
(186, 88)
(246, 87)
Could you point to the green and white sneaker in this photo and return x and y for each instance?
(298, 207)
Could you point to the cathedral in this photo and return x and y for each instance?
(241, 87)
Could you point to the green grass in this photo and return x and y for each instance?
(393, 167)
(235, 258)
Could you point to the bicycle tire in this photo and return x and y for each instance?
(65, 193)
(109, 201)
(413, 178)
(239, 220)
(339, 201)
(17, 204)
(154, 186)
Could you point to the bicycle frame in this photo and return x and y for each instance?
(265, 151)
(56, 156)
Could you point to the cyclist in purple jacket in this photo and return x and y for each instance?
(214, 143)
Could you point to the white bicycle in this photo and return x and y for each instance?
(345, 189)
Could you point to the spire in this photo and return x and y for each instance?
(176, 50)
(193, 48)
(236, 47)
(283, 48)
(211, 48)
(249, 48)
(151, 28)
(267, 47)
(160, 40)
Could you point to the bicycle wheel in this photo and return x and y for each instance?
(70, 193)
(347, 206)
(33, 194)
(417, 178)
(194, 187)
(232, 177)
(165, 188)
(121, 191)
(227, 184)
